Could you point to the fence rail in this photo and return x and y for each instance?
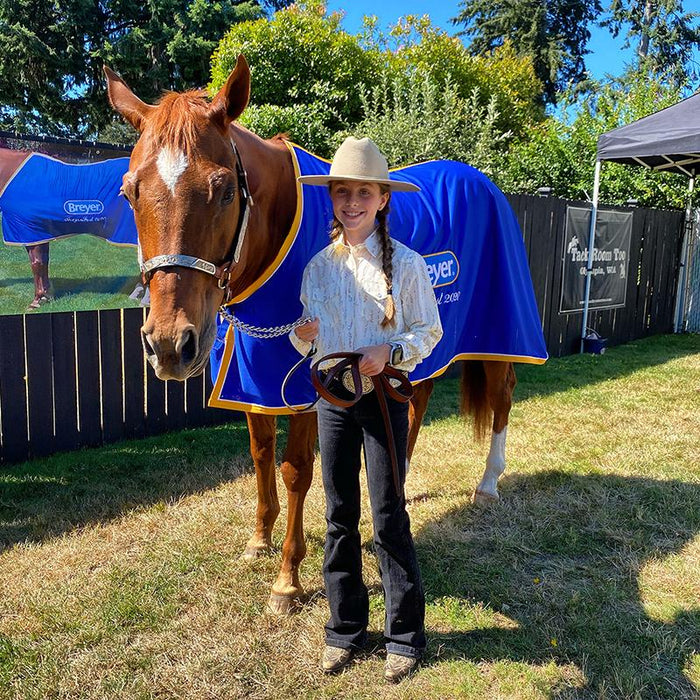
(79, 379)
(76, 379)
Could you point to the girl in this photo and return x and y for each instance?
(371, 294)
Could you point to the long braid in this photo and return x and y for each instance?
(387, 263)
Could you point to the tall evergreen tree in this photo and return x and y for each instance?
(51, 63)
(553, 32)
(665, 35)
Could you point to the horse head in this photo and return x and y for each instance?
(187, 188)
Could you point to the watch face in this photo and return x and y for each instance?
(396, 354)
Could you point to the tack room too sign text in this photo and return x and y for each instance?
(611, 252)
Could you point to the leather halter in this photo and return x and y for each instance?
(222, 273)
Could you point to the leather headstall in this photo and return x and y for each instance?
(222, 273)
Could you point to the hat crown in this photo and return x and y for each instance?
(359, 159)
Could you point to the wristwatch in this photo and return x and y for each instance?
(396, 354)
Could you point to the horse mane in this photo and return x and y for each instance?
(174, 122)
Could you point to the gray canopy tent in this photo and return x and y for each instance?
(668, 141)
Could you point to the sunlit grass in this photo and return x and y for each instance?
(121, 575)
(86, 273)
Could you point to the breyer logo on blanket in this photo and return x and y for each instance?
(81, 207)
(443, 268)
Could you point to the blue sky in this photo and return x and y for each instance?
(607, 55)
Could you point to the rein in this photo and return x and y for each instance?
(222, 273)
(323, 382)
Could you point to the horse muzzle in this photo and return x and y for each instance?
(178, 355)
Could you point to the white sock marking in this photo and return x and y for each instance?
(495, 463)
(171, 164)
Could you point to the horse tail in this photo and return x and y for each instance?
(474, 399)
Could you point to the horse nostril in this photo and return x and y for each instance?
(147, 346)
(189, 347)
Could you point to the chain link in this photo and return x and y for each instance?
(259, 331)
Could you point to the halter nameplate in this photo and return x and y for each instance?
(161, 261)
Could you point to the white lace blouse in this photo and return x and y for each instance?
(344, 287)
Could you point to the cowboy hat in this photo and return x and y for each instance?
(359, 160)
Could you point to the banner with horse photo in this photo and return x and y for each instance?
(468, 234)
(47, 199)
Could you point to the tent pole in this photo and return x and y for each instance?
(591, 242)
(682, 271)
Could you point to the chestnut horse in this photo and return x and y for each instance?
(38, 254)
(184, 185)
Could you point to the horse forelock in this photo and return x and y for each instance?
(178, 119)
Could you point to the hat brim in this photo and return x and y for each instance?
(394, 185)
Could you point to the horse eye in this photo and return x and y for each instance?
(228, 195)
(126, 196)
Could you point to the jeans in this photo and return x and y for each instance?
(342, 434)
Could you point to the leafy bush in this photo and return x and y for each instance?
(417, 117)
(301, 57)
(309, 78)
(501, 77)
(304, 124)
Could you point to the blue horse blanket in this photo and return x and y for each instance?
(48, 199)
(465, 229)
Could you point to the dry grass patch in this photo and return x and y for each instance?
(122, 578)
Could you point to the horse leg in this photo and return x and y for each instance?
(500, 382)
(416, 411)
(297, 470)
(39, 262)
(262, 448)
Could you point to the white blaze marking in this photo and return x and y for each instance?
(171, 164)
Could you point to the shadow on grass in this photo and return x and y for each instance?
(47, 497)
(575, 371)
(561, 559)
(65, 286)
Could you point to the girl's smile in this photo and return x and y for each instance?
(355, 205)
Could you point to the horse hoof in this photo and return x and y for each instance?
(282, 605)
(252, 553)
(482, 498)
(39, 301)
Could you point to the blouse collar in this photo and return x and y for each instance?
(371, 243)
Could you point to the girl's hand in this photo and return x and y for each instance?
(308, 332)
(374, 359)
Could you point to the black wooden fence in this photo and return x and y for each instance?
(655, 251)
(70, 380)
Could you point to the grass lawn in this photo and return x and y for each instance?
(86, 273)
(121, 575)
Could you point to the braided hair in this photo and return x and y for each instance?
(387, 254)
(387, 262)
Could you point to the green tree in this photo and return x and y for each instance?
(51, 64)
(560, 152)
(665, 35)
(553, 32)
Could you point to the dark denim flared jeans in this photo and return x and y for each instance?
(342, 434)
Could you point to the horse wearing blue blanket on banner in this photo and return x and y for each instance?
(43, 199)
(225, 226)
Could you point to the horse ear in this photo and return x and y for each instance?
(125, 102)
(233, 97)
